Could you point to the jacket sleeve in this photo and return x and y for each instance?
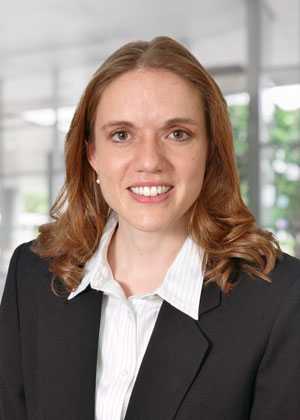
(277, 387)
(12, 395)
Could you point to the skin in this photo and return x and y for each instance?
(149, 129)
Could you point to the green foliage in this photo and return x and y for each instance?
(285, 127)
(239, 121)
(281, 168)
(36, 202)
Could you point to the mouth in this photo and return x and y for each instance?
(151, 191)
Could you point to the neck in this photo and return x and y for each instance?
(139, 260)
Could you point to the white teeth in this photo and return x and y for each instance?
(154, 191)
(150, 191)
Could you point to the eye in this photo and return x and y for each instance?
(120, 136)
(179, 135)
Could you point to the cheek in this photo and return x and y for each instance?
(195, 167)
(194, 175)
(106, 160)
(112, 164)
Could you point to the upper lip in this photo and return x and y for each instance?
(151, 184)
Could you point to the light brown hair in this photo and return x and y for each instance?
(220, 223)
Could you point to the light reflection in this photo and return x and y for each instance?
(285, 97)
(46, 117)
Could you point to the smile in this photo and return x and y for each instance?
(151, 191)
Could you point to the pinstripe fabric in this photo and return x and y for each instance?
(127, 324)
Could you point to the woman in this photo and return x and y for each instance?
(153, 294)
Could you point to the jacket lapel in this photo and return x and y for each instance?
(68, 342)
(172, 360)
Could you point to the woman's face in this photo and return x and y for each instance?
(150, 149)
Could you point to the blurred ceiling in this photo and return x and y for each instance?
(37, 36)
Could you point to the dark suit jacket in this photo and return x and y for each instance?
(240, 361)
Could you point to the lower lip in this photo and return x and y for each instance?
(150, 199)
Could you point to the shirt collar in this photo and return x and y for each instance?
(97, 270)
(181, 287)
(183, 283)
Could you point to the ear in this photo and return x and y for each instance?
(92, 155)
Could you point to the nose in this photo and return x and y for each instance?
(150, 155)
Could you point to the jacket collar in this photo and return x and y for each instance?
(67, 343)
(172, 360)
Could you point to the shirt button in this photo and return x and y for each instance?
(124, 372)
(129, 314)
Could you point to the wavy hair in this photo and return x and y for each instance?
(219, 222)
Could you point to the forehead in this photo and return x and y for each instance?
(151, 91)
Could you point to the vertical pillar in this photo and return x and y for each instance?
(54, 157)
(254, 68)
(2, 243)
(259, 21)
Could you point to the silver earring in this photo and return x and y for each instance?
(98, 180)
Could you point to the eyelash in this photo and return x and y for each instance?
(117, 133)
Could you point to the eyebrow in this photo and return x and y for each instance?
(178, 121)
(171, 122)
(117, 123)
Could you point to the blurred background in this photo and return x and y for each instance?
(49, 50)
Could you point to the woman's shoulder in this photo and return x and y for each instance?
(286, 271)
(24, 256)
(27, 270)
(27, 263)
(288, 260)
(255, 305)
(29, 281)
(284, 283)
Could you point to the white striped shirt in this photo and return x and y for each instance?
(127, 324)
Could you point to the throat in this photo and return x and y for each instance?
(141, 268)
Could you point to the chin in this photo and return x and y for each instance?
(149, 224)
(149, 227)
